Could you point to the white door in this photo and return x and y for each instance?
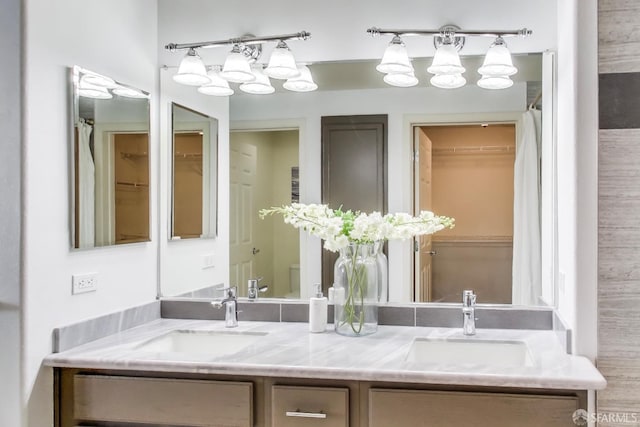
(242, 215)
(423, 194)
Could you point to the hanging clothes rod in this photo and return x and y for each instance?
(483, 149)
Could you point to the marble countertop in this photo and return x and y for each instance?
(289, 350)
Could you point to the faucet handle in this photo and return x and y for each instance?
(468, 298)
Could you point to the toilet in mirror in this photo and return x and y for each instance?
(457, 152)
(110, 161)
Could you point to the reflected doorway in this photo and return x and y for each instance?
(465, 171)
(263, 173)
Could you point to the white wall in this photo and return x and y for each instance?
(400, 105)
(338, 28)
(11, 411)
(577, 118)
(182, 261)
(117, 38)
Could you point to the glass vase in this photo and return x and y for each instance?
(383, 271)
(356, 283)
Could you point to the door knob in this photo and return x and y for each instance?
(255, 250)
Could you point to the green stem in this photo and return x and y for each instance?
(355, 279)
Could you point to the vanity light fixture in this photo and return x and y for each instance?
(93, 85)
(261, 85)
(395, 58)
(241, 65)
(237, 68)
(191, 71)
(282, 64)
(98, 80)
(497, 82)
(217, 85)
(128, 92)
(88, 90)
(448, 81)
(446, 66)
(497, 61)
(303, 83)
(401, 79)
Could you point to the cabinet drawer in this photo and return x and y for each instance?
(453, 409)
(163, 401)
(293, 406)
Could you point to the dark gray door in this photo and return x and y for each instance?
(354, 169)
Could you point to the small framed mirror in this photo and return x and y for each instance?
(110, 161)
(194, 154)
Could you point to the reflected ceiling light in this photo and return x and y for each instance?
(497, 61)
(128, 92)
(303, 83)
(448, 81)
(395, 58)
(217, 85)
(88, 90)
(261, 85)
(236, 67)
(498, 82)
(446, 61)
(99, 80)
(282, 64)
(401, 79)
(191, 71)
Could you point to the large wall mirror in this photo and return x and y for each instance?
(110, 161)
(194, 158)
(470, 136)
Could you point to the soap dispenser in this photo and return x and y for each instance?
(317, 311)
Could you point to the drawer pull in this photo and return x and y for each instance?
(305, 414)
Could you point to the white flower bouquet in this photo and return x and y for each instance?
(340, 228)
(356, 273)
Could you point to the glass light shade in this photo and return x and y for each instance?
(261, 85)
(497, 82)
(99, 80)
(395, 58)
(446, 61)
(191, 71)
(236, 68)
(127, 92)
(303, 83)
(497, 61)
(448, 81)
(88, 90)
(401, 79)
(282, 64)
(217, 86)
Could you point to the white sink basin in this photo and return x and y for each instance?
(470, 351)
(211, 343)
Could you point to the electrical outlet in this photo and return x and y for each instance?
(84, 283)
(208, 261)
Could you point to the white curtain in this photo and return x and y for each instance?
(526, 282)
(86, 188)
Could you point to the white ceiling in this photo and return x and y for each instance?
(338, 27)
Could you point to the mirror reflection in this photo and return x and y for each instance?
(465, 167)
(194, 177)
(264, 172)
(110, 161)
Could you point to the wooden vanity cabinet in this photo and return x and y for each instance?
(388, 407)
(127, 399)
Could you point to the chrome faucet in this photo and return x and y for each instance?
(468, 313)
(253, 289)
(231, 307)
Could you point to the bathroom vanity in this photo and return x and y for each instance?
(173, 372)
